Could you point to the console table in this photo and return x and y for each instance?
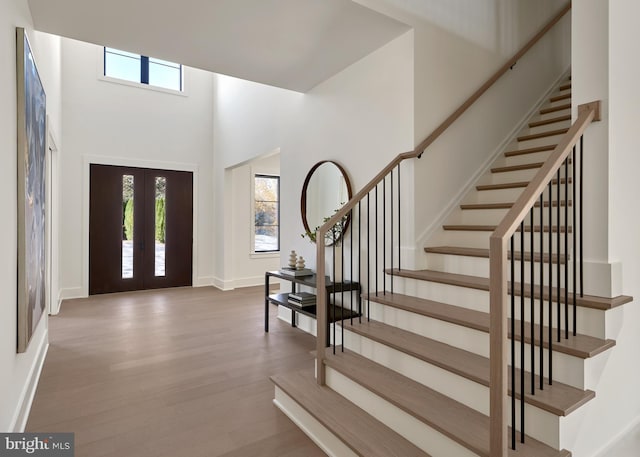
(282, 299)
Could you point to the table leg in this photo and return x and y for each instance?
(266, 303)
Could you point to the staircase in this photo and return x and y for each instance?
(412, 376)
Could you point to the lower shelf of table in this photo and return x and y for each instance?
(340, 313)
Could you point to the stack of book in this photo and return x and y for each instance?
(302, 299)
(295, 272)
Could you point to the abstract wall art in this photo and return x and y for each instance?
(32, 137)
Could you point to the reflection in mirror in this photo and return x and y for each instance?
(326, 189)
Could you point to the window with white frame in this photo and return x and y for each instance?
(266, 209)
(142, 69)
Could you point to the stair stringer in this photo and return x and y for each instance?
(443, 215)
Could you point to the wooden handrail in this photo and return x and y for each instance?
(498, 332)
(417, 152)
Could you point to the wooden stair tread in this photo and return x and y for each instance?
(526, 166)
(557, 98)
(565, 86)
(512, 185)
(559, 399)
(464, 425)
(550, 121)
(553, 109)
(507, 205)
(484, 253)
(476, 282)
(518, 152)
(361, 432)
(535, 136)
(491, 228)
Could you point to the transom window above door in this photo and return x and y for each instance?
(142, 69)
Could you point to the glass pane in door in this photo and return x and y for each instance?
(127, 226)
(160, 225)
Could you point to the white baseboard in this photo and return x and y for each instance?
(72, 292)
(21, 415)
(249, 281)
(222, 284)
(204, 281)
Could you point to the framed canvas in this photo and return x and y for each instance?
(31, 132)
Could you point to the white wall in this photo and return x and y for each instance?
(248, 267)
(250, 120)
(107, 122)
(604, 43)
(362, 118)
(19, 372)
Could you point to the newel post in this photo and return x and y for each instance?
(498, 348)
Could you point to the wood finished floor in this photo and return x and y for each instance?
(175, 372)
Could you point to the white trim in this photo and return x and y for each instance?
(248, 281)
(204, 281)
(21, 415)
(88, 160)
(222, 284)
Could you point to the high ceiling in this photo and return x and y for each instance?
(293, 44)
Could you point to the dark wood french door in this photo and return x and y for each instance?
(140, 229)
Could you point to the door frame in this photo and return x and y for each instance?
(88, 160)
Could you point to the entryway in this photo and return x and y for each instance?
(140, 229)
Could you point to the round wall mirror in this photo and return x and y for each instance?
(326, 189)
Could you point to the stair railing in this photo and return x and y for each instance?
(554, 283)
(360, 210)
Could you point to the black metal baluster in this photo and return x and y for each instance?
(513, 349)
(574, 235)
(581, 238)
(566, 249)
(522, 338)
(532, 317)
(376, 245)
(391, 229)
(541, 304)
(332, 318)
(384, 236)
(343, 281)
(399, 222)
(360, 260)
(550, 282)
(558, 273)
(368, 256)
(351, 267)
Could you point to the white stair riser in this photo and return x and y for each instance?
(557, 102)
(521, 159)
(506, 177)
(320, 435)
(403, 423)
(540, 424)
(512, 194)
(479, 266)
(534, 143)
(552, 115)
(454, 335)
(547, 127)
(495, 216)
(480, 239)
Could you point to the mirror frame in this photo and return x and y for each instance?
(303, 199)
